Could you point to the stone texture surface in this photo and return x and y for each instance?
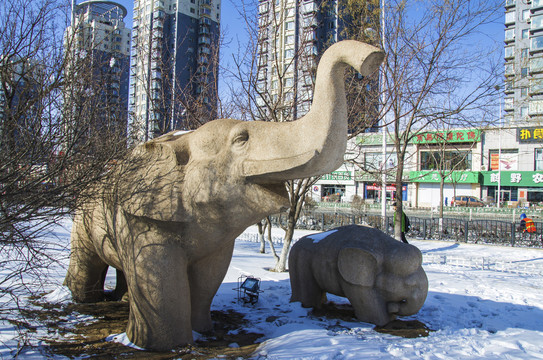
(167, 217)
(381, 277)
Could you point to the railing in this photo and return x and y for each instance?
(461, 210)
(493, 232)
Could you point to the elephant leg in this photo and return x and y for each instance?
(305, 288)
(369, 306)
(121, 287)
(205, 277)
(159, 294)
(86, 271)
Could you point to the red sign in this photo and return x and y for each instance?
(494, 161)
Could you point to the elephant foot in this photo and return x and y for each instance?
(203, 323)
(82, 292)
(158, 338)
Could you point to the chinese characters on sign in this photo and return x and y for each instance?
(448, 136)
(516, 178)
(530, 135)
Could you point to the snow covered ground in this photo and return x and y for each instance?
(483, 303)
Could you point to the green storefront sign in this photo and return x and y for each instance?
(452, 136)
(458, 177)
(513, 178)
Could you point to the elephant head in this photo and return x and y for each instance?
(231, 169)
(388, 285)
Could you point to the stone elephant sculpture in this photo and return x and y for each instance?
(167, 217)
(381, 277)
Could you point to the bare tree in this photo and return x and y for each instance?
(439, 68)
(51, 146)
(277, 70)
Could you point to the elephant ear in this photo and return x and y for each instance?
(357, 266)
(151, 181)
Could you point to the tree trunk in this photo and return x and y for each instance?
(281, 265)
(272, 247)
(261, 230)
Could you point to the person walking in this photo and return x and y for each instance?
(405, 223)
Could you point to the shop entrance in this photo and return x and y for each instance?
(333, 193)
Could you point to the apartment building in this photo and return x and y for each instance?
(174, 65)
(523, 101)
(293, 34)
(97, 51)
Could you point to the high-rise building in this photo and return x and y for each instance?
(174, 65)
(523, 62)
(97, 48)
(21, 103)
(293, 34)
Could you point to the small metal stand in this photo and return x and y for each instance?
(248, 289)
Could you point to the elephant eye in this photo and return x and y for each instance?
(241, 138)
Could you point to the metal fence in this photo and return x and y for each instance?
(496, 232)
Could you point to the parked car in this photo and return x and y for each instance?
(467, 201)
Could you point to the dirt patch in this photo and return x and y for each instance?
(402, 328)
(86, 337)
(407, 329)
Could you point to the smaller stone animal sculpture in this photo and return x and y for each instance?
(381, 277)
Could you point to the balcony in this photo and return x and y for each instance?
(508, 104)
(159, 14)
(535, 107)
(205, 11)
(536, 86)
(536, 65)
(509, 18)
(204, 40)
(537, 4)
(537, 23)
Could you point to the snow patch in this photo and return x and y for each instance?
(321, 236)
(60, 295)
(122, 338)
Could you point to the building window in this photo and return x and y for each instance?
(290, 25)
(523, 111)
(510, 17)
(537, 43)
(538, 159)
(524, 53)
(192, 10)
(509, 34)
(523, 72)
(536, 86)
(289, 82)
(525, 34)
(509, 51)
(525, 14)
(537, 22)
(445, 160)
(523, 91)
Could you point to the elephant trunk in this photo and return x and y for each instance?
(318, 139)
